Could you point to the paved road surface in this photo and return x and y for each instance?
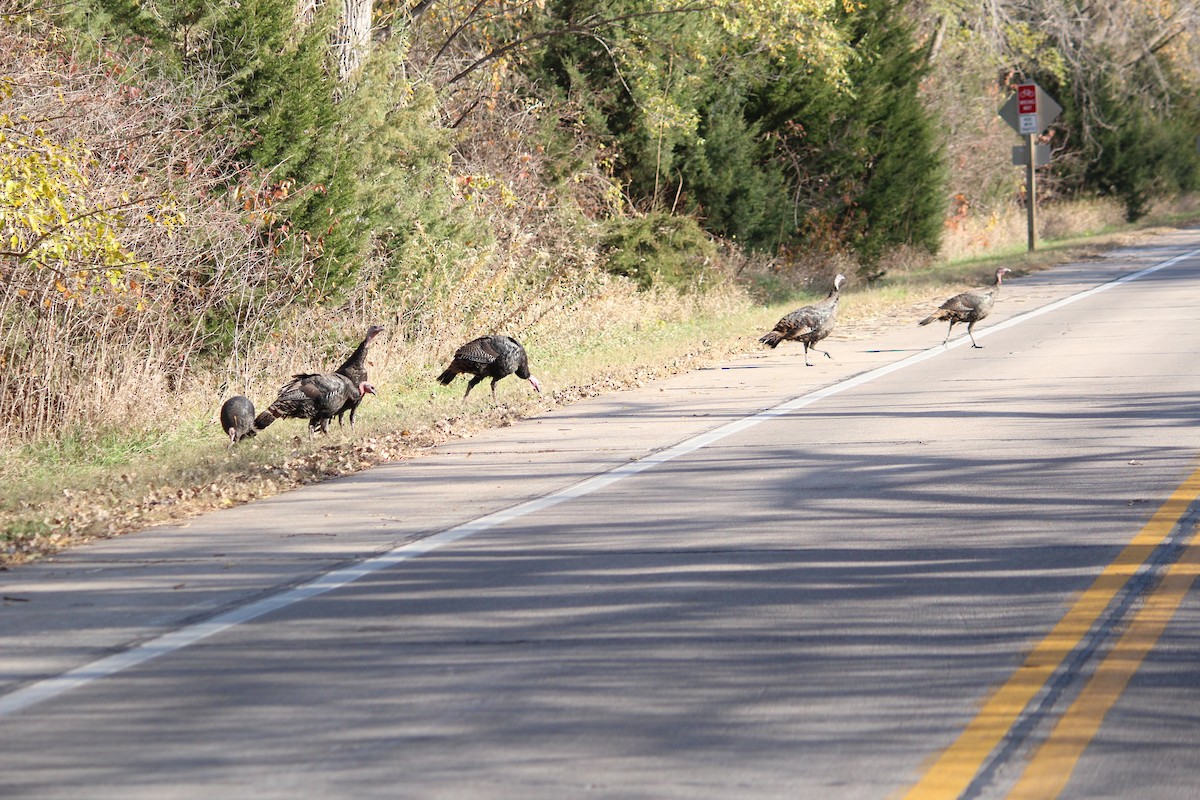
(906, 572)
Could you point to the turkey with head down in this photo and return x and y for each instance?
(494, 357)
(237, 419)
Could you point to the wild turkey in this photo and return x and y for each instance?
(810, 324)
(355, 368)
(316, 398)
(968, 307)
(489, 357)
(237, 419)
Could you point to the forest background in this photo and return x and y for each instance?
(201, 198)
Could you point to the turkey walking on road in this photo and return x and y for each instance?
(355, 368)
(237, 419)
(968, 307)
(810, 324)
(489, 357)
(316, 398)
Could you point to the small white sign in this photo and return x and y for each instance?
(1028, 123)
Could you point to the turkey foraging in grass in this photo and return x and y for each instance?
(810, 324)
(237, 419)
(316, 398)
(968, 307)
(492, 357)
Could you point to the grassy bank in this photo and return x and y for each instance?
(91, 484)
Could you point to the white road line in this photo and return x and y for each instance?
(165, 644)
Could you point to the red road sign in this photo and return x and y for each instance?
(1029, 110)
(1027, 98)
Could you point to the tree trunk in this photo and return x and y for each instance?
(352, 42)
(306, 10)
(352, 38)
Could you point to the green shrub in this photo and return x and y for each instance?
(658, 249)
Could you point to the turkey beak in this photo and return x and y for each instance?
(537, 387)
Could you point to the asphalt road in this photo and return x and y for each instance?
(911, 571)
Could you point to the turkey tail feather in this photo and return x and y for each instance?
(928, 319)
(446, 377)
(772, 339)
(264, 419)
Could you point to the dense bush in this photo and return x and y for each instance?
(1138, 155)
(658, 249)
(736, 186)
(272, 94)
(761, 148)
(127, 259)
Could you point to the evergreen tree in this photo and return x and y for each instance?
(1144, 151)
(639, 82)
(281, 99)
(281, 92)
(732, 182)
(903, 179)
(864, 161)
(759, 146)
(676, 113)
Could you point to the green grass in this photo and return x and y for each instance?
(107, 449)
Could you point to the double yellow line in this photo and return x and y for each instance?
(1051, 766)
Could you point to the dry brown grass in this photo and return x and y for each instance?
(1006, 229)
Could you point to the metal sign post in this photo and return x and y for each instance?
(1027, 124)
(1030, 197)
(1029, 112)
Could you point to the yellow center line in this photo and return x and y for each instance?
(1051, 766)
(957, 766)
